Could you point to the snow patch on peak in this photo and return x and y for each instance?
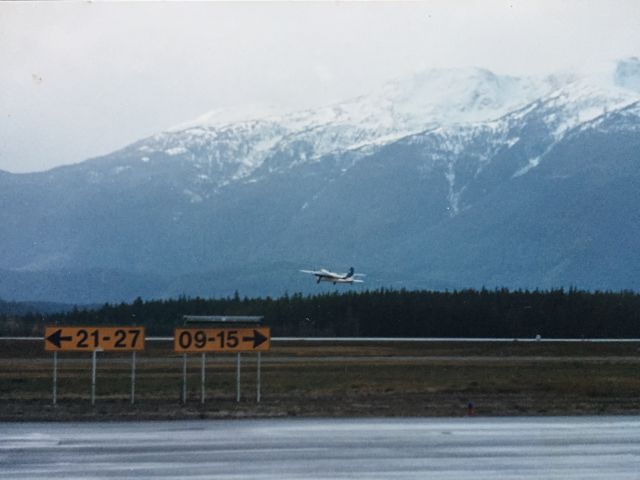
(224, 116)
(584, 100)
(533, 163)
(255, 157)
(176, 151)
(453, 196)
(460, 96)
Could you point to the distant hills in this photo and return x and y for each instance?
(448, 179)
(36, 308)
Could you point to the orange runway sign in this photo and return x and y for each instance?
(193, 340)
(88, 339)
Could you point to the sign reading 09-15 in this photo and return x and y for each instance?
(88, 339)
(191, 340)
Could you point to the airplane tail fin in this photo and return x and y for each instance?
(350, 274)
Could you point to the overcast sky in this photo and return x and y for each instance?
(79, 80)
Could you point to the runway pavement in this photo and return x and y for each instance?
(408, 448)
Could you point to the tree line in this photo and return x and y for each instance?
(378, 313)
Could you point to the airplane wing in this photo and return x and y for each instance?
(317, 273)
(323, 273)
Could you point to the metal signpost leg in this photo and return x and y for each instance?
(202, 377)
(238, 378)
(93, 378)
(133, 377)
(258, 381)
(55, 377)
(184, 378)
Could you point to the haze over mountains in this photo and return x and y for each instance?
(448, 179)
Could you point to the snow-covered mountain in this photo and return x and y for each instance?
(449, 178)
(231, 145)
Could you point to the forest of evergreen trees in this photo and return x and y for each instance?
(380, 313)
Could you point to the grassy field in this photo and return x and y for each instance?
(412, 379)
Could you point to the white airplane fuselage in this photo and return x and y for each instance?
(323, 275)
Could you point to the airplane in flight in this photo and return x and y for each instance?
(323, 275)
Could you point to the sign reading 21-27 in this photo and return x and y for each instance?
(88, 339)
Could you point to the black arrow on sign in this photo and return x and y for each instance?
(56, 337)
(258, 339)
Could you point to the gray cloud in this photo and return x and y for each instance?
(83, 79)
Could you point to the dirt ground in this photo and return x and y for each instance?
(328, 380)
